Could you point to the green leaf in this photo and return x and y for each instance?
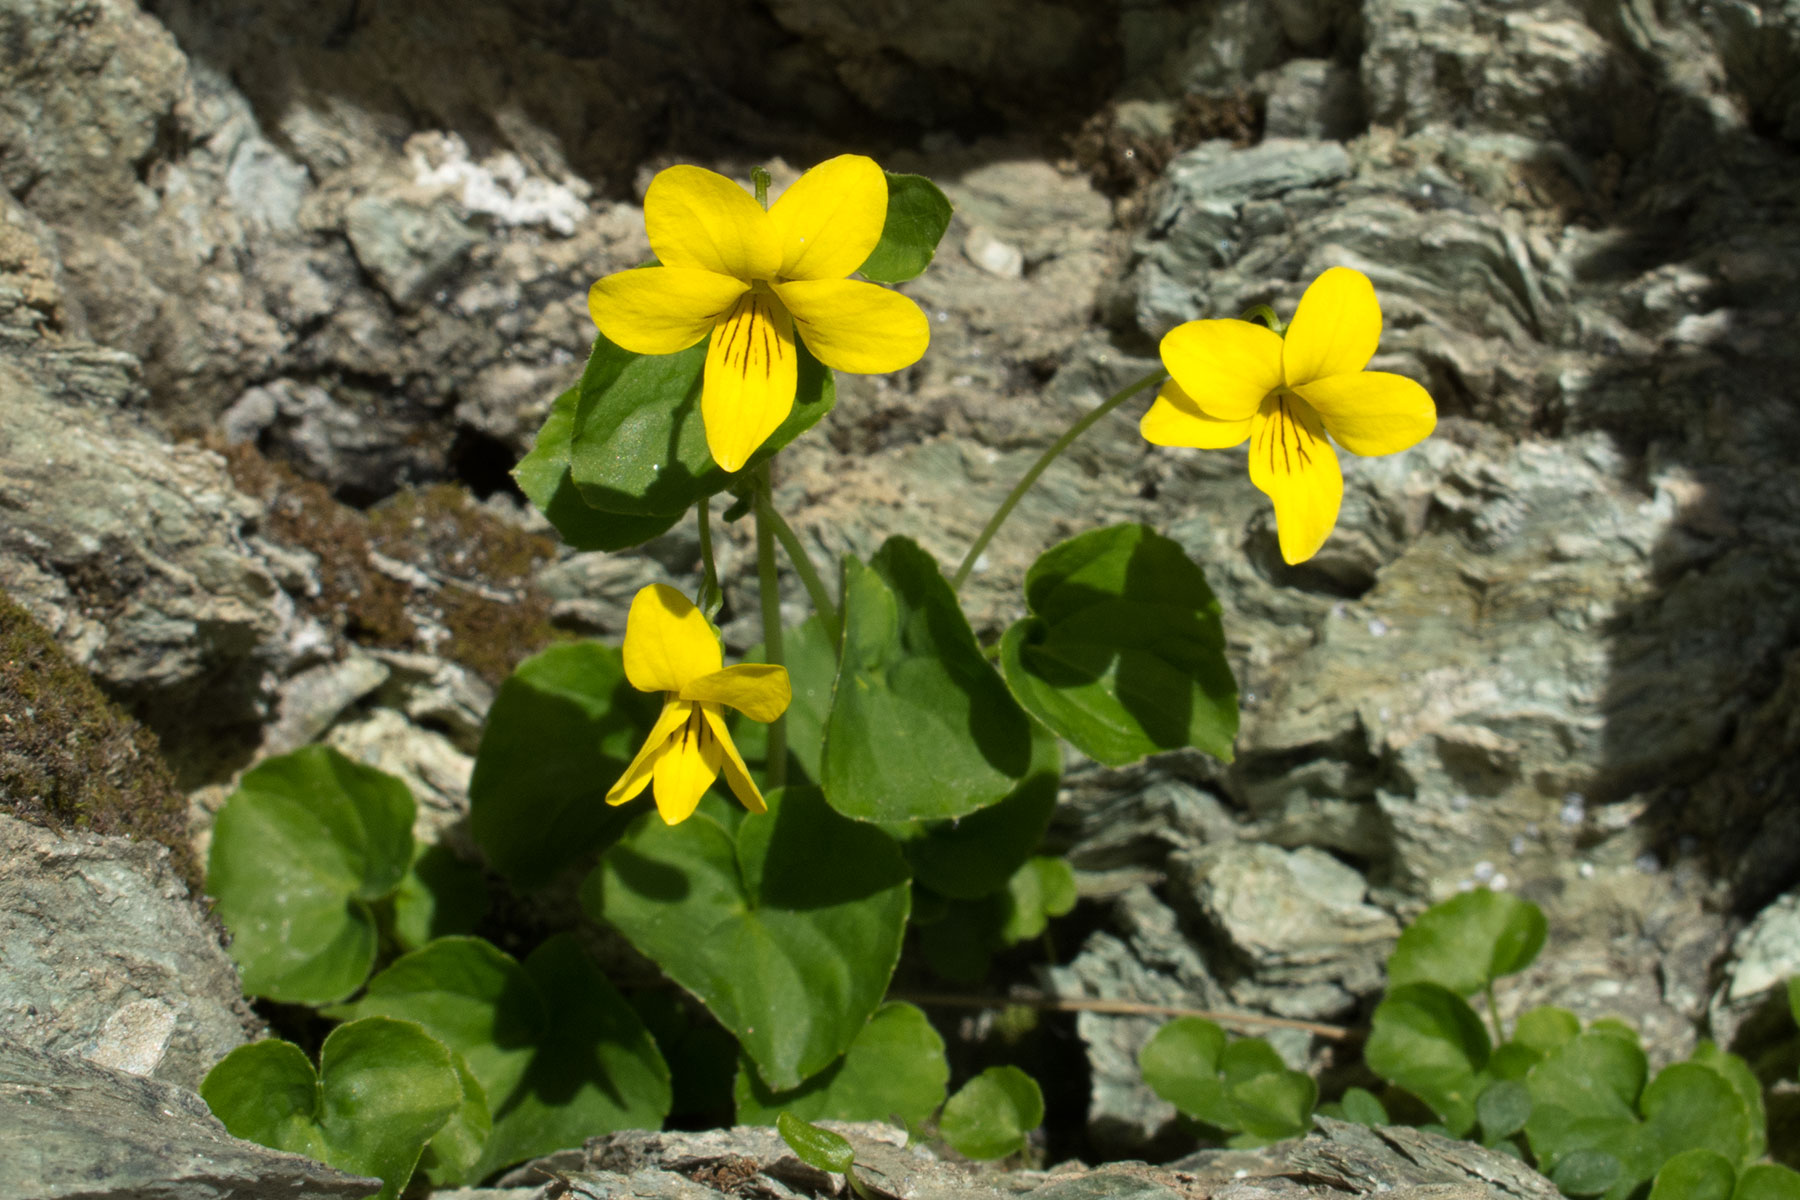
(895, 1069)
(921, 727)
(1586, 1173)
(1767, 1181)
(1427, 1039)
(1597, 1076)
(816, 1147)
(1123, 654)
(1270, 1101)
(969, 857)
(1793, 991)
(1180, 1062)
(1233, 1085)
(558, 1053)
(440, 895)
(1040, 889)
(383, 1089)
(993, 1113)
(1468, 941)
(1695, 1175)
(543, 475)
(1363, 1107)
(786, 929)
(639, 446)
(1502, 1108)
(918, 213)
(1737, 1073)
(1692, 1106)
(455, 1149)
(303, 847)
(1545, 1029)
(560, 732)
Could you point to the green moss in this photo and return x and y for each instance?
(70, 758)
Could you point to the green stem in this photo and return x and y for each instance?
(803, 563)
(769, 585)
(1266, 313)
(1493, 1006)
(1037, 468)
(759, 179)
(711, 595)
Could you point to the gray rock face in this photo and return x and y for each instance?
(1336, 1160)
(103, 956)
(72, 1129)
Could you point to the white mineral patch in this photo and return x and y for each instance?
(499, 187)
(135, 1037)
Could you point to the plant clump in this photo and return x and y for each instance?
(70, 758)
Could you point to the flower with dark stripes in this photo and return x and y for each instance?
(1233, 381)
(670, 647)
(754, 282)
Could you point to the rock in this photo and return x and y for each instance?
(314, 699)
(106, 957)
(1313, 98)
(135, 554)
(410, 249)
(993, 255)
(73, 1129)
(433, 769)
(1335, 1160)
(1296, 923)
(1751, 1006)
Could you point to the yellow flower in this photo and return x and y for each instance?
(670, 647)
(752, 280)
(1233, 380)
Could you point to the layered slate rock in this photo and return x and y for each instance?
(72, 1129)
(104, 957)
(1336, 1161)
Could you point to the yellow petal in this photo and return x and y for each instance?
(855, 326)
(1372, 412)
(831, 218)
(737, 775)
(1175, 420)
(751, 373)
(1293, 464)
(688, 764)
(758, 690)
(668, 642)
(1335, 329)
(637, 776)
(1225, 367)
(661, 310)
(699, 218)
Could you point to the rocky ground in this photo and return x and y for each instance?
(285, 289)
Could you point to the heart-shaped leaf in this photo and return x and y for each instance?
(1427, 1039)
(456, 1147)
(302, 848)
(1695, 1175)
(1360, 1106)
(543, 475)
(382, 1090)
(638, 445)
(969, 857)
(918, 213)
(921, 728)
(558, 1052)
(1240, 1085)
(1767, 1181)
(559, 733)
(1502, 1108)
(894, 1070)
(1468, 941)
(1737, 1073)
(1123, 654)
(992, 1114)
(787, 927)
